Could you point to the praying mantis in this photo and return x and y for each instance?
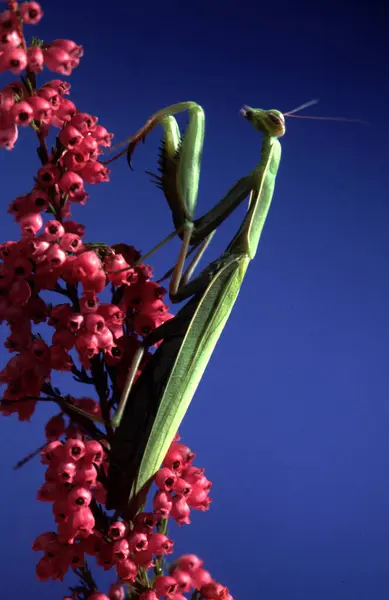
(151, 410)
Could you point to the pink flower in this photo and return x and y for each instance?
(58, 60)
(70, 137)
(94, 172)
(42, 109)
(70, 47)
(35, 59)
(8, 136)
(13, 59)
(165, 585)
(31, 12)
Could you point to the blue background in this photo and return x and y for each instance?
(291, 419)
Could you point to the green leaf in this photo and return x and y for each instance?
(36, 42)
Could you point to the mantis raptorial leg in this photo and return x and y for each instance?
(180, 162)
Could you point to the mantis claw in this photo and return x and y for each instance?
(131, 148)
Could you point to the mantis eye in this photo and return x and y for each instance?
(275, 119)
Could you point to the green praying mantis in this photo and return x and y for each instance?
(151, 409)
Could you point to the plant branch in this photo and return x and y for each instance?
(70, 292)
(66, 406)
(100, 378)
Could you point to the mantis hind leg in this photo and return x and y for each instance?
(128, 385)
(179, 280)
(163, 331)
(175, 280)
(196, 259)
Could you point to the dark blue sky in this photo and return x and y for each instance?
(291, 418)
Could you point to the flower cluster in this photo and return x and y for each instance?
(70, 165)
(93, 340)
(20, 103)
(132, 548)
(182, 486)
(38, 263)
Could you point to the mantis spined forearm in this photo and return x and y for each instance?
(151, 411)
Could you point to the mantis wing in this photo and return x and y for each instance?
(201, 337)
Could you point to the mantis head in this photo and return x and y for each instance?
(269, 122)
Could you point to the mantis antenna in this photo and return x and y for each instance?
(310, 103)
(301, 107)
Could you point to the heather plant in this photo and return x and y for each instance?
(86, 336)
